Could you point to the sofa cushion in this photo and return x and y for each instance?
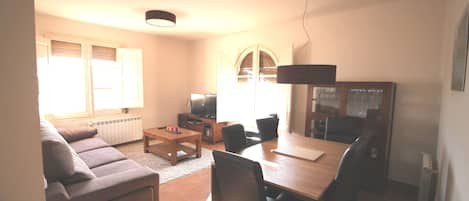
(74, 134)
(112, 168)
(101, 156)
(56, 155)
(88, 144)
(82, 172)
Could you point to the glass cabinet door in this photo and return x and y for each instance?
(364, 102)
(326, 100)
(326, 103)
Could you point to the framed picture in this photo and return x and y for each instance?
(458, 80)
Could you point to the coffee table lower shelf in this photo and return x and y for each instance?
(166, 151)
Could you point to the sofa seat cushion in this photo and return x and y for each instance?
(88, 144)
(115, 167)
(101, 156)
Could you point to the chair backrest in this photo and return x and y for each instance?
(238, 178)
(268, 128)
(343, 129)
(348, 180)
(234, 138)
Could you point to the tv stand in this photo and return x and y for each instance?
(210, 129)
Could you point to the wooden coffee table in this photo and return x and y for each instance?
(171, 144)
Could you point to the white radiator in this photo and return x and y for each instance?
(119, 130)
(427, 179)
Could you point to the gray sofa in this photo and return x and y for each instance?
(81, 167)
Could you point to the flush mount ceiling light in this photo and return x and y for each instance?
(160, 18)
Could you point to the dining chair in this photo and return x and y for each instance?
(268, 128)
(343, 129)
(347, 182)
(235, 138)
(239, 179)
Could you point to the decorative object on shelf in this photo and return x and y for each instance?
(160, 18)
(173, 129)
(306, 74)
(458, 80)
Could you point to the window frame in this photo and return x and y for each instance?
(255, 50)
(87, 56)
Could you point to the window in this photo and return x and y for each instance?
(257, 93)
(79, 78)
(62, 79)
(265, 68)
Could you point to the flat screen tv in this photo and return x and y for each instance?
(204, 105)
(211, 106)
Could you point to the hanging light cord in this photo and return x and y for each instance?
(304, 18)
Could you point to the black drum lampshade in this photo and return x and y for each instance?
(306, 74)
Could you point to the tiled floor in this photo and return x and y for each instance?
(196, 187)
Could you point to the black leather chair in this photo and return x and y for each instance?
(268, 129)
(347, 183)
(238, 178)
(343, 129)
(235, 139)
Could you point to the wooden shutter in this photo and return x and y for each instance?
(104, 53)
(65, 49)
(131, 63)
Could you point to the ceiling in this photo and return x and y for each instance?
(195, 18)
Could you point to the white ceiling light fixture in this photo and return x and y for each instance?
(160, 18)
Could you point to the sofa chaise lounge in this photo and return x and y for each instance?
(81, 167)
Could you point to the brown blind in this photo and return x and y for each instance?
(246, 65)
(65, 49)
(267, 64)
(104, 53)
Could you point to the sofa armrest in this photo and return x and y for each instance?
(115, 185)
(56, 192)
(74, 134)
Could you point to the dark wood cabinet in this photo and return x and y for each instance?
(342, 110)
(210, 128)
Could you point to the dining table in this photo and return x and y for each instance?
(304, 179)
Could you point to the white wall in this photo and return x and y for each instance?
(20, 149)
(165, 63)
(453, 136)
(386, 41)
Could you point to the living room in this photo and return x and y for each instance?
(407, 43)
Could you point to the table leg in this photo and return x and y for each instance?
(174, 157)
(146, 144)
(198, 147)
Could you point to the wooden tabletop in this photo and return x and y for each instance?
(162, 133)
(302, 177)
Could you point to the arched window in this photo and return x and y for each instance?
(257, 64)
